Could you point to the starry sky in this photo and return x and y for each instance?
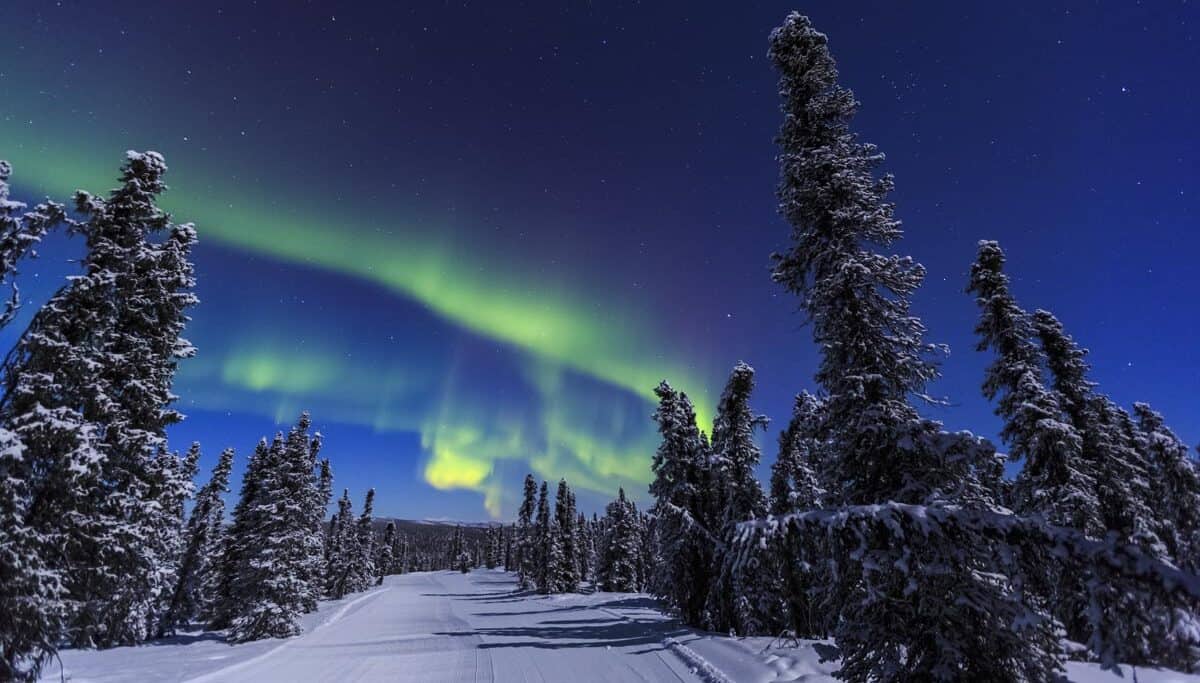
(472, 237)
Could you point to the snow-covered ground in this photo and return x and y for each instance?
(445, 626)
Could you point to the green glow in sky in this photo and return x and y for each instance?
(557, 326)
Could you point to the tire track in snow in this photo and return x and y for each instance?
(700, 666)
(217, 675)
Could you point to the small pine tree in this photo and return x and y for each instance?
(619, 566)
(385, 559)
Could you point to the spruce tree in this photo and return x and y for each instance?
(314, 479)
(525, 550)
(856, 299)
(735, 600)
(364, 572)
(545, 541)
(587, 549)
(32, 607)
(795, 479)
(197, 577)
(271, 589)
(619, 566)
(236, 539)
(1055, 480)
(385, 560)
(343, 550)
(890, 609)
(88, 390)
(682, 507)
(566, 568)
(796, 488)
(1175, 487)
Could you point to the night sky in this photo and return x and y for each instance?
(472, 238)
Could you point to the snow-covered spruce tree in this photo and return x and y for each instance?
(315, 482)
(587, 549)
(795, 487)
(738, 599)
(1123, 471)
(93, 371)
(566, 569)
(795, 482)
(364, 563)
(197, 577)
(1058, 480)
(874, 356)
(343, 549)
(32, 606)
(545, 543)
(891, 614)
(618, 568)
(236, 539)
(275, 573)
(526, 564)
(385, 562)
(460, 555)
(269, 592)
(680, 488)
(31, 596)
(1175, 486)
(1055, 481)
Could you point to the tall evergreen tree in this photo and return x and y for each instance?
(276, 573)
(236, 539)
(735, 600)
(857, 300)
(197, 578)
(544, 533)
(1055, 480)
(315, 481)
(682, 507)
(525, 550)
(343, 550)
(1175, 487)
(88, 390)
(364, 571)
(881, 452)
(32, 607)
(566, 570)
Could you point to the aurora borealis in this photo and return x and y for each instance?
(472, 239)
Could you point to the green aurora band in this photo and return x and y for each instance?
(557, 330)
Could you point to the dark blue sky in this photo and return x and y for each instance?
(470, 237)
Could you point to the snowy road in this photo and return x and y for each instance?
(428, 627)
(446, 627)
(449, 627)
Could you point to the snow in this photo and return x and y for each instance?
(446, 626)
